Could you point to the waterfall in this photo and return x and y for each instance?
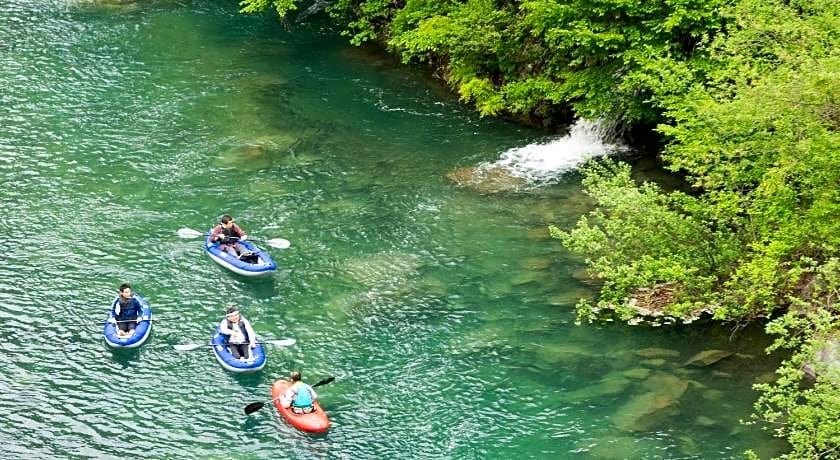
(545, 161)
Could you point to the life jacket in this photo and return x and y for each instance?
(303, 396)
(229, 232)
(241, 328)
(129, 309)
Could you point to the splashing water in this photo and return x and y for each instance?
(543, 162)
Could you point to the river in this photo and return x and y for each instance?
(445, 312)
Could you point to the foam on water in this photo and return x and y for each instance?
(545, 161)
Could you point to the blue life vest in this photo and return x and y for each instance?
(129, 310)
(303, 398)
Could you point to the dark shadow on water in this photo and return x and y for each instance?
(260, 288)
(251, 379)
(126, 357)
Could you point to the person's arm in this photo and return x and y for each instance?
(138, 307)
(116, 309)
(224, 329)
(314, 395)
(287, 398)
(215, 233)
(252, 336)
(240, 232)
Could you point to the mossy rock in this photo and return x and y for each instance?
(535, 263)
(645, 412)
(638, 373)
(493, 179)
(707, 358)
(657, 353)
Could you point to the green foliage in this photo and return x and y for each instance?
(525, 57)
(806, 416)
(754, 125)
(638, 236)
(281, 6)
(769, 137)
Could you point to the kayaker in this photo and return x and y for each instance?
(229, 234)
(127, 311)
(241, 337)
(300, 397)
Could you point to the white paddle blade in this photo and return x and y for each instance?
(188, 233)
(187, 347)
(283, 342)
(279, 243)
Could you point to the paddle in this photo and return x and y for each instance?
(134, 320)
(193, 346)
(253, 407)
(278, 243)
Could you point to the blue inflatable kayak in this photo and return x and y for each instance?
(255, 362)
(262, 267)
(141, 331)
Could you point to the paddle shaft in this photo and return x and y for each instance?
(134, 320)
(279, 243)
(279, 343)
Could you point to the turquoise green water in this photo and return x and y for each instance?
(445, 313)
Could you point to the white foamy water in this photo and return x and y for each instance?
(545, 161)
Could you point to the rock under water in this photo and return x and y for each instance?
(486, 179)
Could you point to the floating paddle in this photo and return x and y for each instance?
(278, 243)
(193, 346)
(253, 407)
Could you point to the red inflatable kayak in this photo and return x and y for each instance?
(313, 422)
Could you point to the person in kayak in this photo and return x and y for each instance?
(127, 311)
(229, 234)
(300, 397)
(241, 337)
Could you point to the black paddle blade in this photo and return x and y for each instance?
(253, 407)
(324, 382)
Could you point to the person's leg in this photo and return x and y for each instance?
(234, 350)
(245, 350)
(230, 249)
(122, 328)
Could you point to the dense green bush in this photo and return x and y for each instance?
(756, 131)
(538, 57)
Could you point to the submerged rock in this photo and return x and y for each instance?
(619, 447)
(569, 298)
(526, 278)
(657, 353)
(707, 358)
(610, 385)
(645, 411)
(655, 362)
(704, 421)
(381, 269)
(259, 153)
(666, 384)
(639, 373)
(487, 179)
(535, 263)
(117, 6)
(713, 395)
(538, 233)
